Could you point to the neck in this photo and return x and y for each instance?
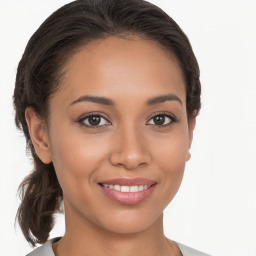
(83, 237)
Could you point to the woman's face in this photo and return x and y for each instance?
(119, 122)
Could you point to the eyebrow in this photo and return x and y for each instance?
(94, 99)
(163, 98)
(109, 102)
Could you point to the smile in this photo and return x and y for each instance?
(128, 191)
(126, 188)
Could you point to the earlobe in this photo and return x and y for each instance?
(188, 156)
(39, 135)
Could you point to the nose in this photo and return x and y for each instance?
(130, 149)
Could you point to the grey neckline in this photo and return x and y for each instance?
(46, 249)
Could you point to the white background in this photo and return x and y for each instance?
(215, 209)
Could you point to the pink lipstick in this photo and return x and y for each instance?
(128, 191)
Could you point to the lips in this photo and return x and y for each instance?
(128, 191)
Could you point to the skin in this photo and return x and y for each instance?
(126, 144)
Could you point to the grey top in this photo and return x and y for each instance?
(46, 249)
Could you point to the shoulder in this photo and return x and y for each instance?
(44, 250)
(188, 251)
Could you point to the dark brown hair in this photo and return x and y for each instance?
(40, 71)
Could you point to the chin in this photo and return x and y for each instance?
(129, 222)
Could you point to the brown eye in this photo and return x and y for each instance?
(93, 121)
(159, 120)
(162, 120)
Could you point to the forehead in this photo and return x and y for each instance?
(123, 67)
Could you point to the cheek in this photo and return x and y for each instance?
(76, 158)
(171, 151)
(172, 163)
(171, 159)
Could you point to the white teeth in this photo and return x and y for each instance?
(134, 189)
(117, 187)
(126, 188)
(141, 187)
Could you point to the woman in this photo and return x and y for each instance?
(107, 94)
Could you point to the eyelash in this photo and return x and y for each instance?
(82, 120)
(172, 118)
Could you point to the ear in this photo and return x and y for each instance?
(39, 135)
(191, 127)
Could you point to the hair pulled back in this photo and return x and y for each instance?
(41, 69)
